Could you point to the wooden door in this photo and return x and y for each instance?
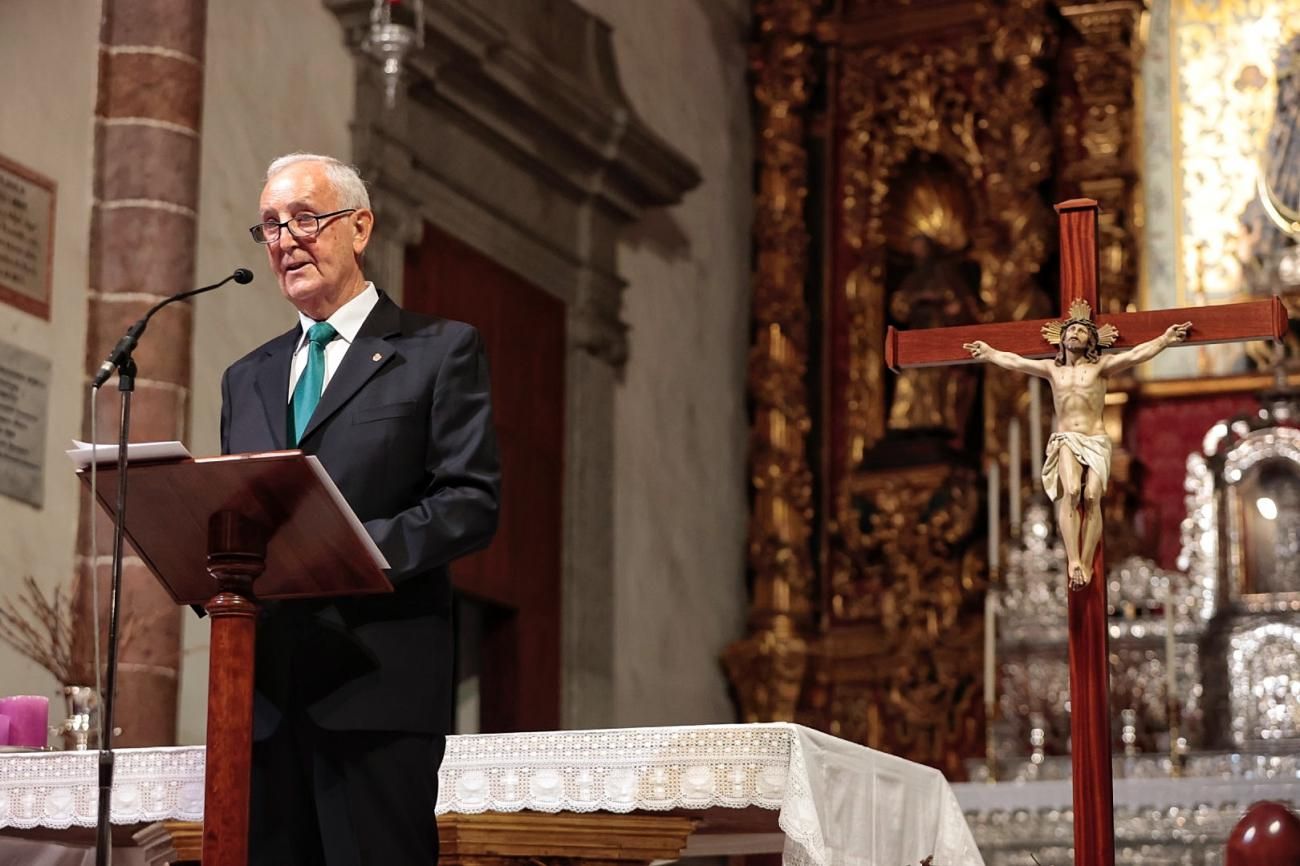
(512, 587)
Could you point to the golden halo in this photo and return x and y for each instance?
(1081, 314)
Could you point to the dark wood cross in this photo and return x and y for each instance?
(1090, 758)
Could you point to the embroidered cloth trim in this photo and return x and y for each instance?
(839, 803)
(61, 789)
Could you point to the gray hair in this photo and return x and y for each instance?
(345, 178)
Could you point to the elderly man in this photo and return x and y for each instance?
(353, 696)
(1077, 464)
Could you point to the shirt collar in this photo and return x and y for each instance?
(347, 319)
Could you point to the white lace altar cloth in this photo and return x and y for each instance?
(58, 790)
(840, 804)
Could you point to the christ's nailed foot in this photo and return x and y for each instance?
(1079, 577)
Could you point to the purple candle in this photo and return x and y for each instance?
(29, 720)
(4, 730)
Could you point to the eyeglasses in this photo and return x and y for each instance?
(303, 225)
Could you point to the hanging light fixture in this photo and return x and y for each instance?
(389, 42)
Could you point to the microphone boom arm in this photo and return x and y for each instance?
(125, 346)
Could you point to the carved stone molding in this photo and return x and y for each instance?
(513, 134)
(767, 667)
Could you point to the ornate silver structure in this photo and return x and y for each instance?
(1235, 621)
(1241, 539)
(1159, 820)
(1032, 652)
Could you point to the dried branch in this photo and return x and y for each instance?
(41, 628)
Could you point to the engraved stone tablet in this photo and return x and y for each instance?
(26, 238)
(24, 399)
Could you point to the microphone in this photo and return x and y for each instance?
(125, 346)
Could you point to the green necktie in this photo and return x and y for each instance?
(312, 381)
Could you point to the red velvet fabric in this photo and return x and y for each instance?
(1161, 435)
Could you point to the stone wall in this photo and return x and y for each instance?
(680, 425)
(48, 126)
(679, 416)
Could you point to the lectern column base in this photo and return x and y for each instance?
(230, 732)
(236, 556)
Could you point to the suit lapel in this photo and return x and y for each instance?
(272, 384)
(367, 355)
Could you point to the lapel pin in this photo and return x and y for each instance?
(376, 357)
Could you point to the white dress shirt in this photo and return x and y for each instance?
(347, 320)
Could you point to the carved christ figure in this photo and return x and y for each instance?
(1077, 463)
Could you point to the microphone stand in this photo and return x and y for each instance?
(103, 838)
(121, 360)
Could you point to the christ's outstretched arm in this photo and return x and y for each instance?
(982, 351)
(1143, 352)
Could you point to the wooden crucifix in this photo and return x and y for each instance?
(1143, 334)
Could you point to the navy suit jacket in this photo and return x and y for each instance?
(404, 427)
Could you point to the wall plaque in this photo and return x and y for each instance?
(24, 403)
(26, 238)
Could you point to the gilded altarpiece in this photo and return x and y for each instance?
(941, 144)
(908, 155)
(1097, 133)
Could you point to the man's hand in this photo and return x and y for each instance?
(1177, 333)
(978, 349)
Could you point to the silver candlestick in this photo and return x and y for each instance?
(80, 730)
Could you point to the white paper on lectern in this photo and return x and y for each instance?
(373, 549)
(83, 453)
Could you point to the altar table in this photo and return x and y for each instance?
(699, 790)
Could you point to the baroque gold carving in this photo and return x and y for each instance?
(910, 537)
(1097, 126)
(903, 577)
(767, 671)
(917, 581)
(767, 667)
(926, 219)
(971, 102)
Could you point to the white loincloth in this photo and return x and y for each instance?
(1092, 452)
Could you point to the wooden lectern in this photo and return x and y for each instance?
(208, 528)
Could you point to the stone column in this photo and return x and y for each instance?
(142, 249)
